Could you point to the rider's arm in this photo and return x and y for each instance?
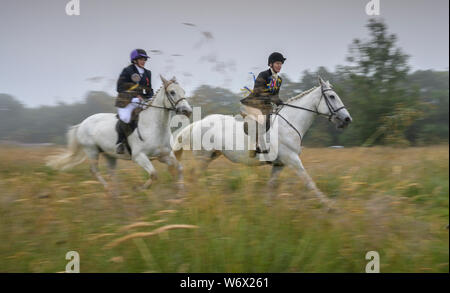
(260, 84)
(148, 89)
(124, 82)
(260, 88)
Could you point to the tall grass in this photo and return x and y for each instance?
(394, 201)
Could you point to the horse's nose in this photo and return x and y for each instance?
(184, 111)
(187, 113)
(348, 119)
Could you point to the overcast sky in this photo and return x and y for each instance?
(47, 56)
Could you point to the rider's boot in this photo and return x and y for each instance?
(261, 145)
(124, 130)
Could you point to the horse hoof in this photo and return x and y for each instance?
(114, 193)
(139, 188)
(330, 208)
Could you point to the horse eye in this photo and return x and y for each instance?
(331, 96)
(172, 93)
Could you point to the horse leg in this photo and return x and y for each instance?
(112, 163)
(175, 169)
(142, 160)
(93, 154)
(276, 170)
(272, 184)
(206, 157)
(295, 162)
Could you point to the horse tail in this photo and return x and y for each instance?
(71, 157)
(182, 139)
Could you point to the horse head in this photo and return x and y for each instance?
(175, 97)
(331, 104)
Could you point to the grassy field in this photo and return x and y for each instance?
(393, 201)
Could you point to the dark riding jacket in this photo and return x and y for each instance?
(128, 89)
(265, 91)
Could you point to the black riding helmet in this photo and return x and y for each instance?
(274, 57)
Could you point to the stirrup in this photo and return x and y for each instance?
(120, 148)
(259, 151)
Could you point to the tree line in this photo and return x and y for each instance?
(390, 105)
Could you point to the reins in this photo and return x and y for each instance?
(147, 104)
(327, 102)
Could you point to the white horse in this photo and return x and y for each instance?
(293, 118)
(97, 135)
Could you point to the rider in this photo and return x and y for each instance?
(134, 86)
(265, 93)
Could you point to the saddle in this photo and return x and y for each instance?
(267, 124)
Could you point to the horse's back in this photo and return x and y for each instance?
(100, 117)
(96, 126)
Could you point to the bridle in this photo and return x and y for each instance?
(329, 105)
(169, 96)
(331, 109)
(145, 105)
(172, 102)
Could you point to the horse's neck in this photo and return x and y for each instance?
(302, 119)
(155, 118)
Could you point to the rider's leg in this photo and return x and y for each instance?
(124, 128)
(255, 117)
(261, 134)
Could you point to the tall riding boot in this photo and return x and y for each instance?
(261, 147)
(124, 130)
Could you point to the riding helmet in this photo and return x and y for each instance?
(138, 53)
(274, 57)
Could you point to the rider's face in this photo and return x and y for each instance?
(276, 66)
(141, 62)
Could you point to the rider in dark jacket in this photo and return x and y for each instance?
(265, 93)
(134, 86)
(126, 82)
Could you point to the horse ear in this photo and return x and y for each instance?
(174, 79)
(321, 81)
(164, 81)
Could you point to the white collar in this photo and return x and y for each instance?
(140, 70)
(275, 74)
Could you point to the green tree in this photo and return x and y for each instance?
(377, 75)
(433, 87)
(215, 100)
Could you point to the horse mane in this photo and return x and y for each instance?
(158, 90)
(302, 94)
(162, 85)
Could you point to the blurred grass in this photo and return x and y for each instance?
(394, 201)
